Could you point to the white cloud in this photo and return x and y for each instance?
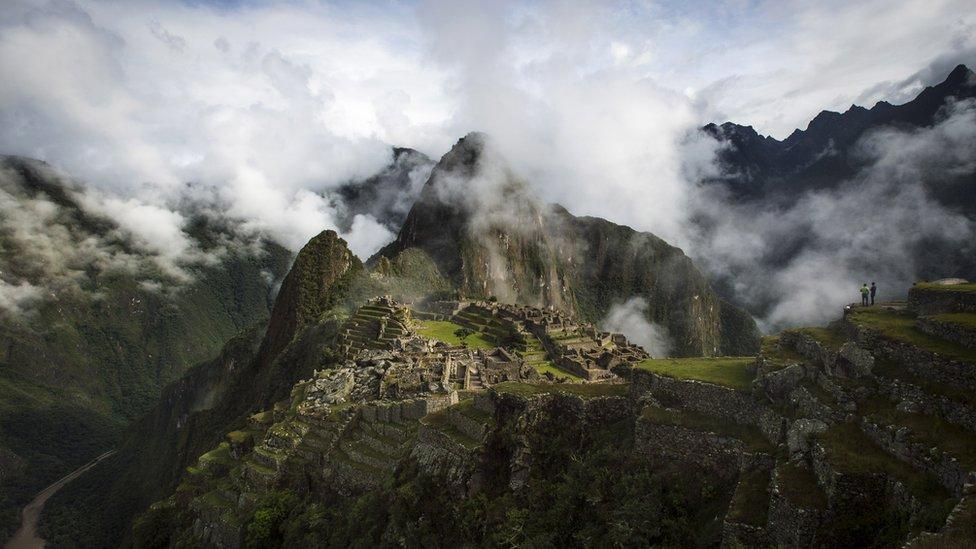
(270, 104)
(630, 318)
(16, 299)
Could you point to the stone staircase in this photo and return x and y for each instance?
(375, 446)
(375, 326)
(478, 319)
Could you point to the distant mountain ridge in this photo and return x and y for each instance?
(756, 167)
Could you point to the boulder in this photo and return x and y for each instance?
(798, 437)
(853, 361)
(780, 383)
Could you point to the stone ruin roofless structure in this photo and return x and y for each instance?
(383, 331)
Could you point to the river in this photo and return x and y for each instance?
(26, 537)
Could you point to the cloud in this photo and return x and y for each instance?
(270, 106)
(801, 264)
(630, 318)
(17, 299)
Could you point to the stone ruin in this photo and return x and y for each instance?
(380, 337)
(573, 346)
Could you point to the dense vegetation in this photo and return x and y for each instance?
(596, 495)
(110, 329)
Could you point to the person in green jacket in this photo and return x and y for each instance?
(865, 291)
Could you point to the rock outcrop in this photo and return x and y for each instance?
(487, 233)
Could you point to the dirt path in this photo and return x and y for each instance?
(26, 537)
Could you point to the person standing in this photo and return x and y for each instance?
(864, 294)
(874, 290)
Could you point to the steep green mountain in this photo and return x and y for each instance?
(536, 256)
(855, 434)
(92, 327)
(251, 374)
(486, 233)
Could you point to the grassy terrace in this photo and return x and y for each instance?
(893, 370)
(734, 372)
(443, 331)
(928, 430)
(777, 355)
(963, 319)
(748, 434)
(799, 485)
(535, 356)
(900, 326)
(829, 337)
(946, 287)
(585, 390)
(849, 450)
(750, 504)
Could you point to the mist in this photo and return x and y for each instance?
(800, 265)
(258, 112)
(630, 319)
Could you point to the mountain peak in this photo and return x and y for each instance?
(960, 75)
(307, 290)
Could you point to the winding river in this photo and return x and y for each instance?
(26, 537)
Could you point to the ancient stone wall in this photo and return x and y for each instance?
(705, 398)
(714, 452)
(790, 525)
(437, 454)
(897, 442)
(961, 334)
(925, 364)
(926, 302)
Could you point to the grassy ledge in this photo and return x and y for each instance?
(799, 486)
(443, 331)
(734, 372)
(585, 390)
(965, 288)
(748, 434)
(900, 326)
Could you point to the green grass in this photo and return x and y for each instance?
(799, 485)
(750, 503)
(777, 356)
(829, 337)
(748, 434)
(849, 450)
(893, 370)
(549, 367)
(734, 372)
(443, 331)
(927, 430)
(585, 390)
(900, 326)
(239, 437)
(946, 287)
(220, 454)
(962, 319)
(467, 409)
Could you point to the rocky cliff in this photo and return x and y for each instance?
(848, 435)
(486, 232)
(253, 370)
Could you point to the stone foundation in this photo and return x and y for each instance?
(926, 302)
